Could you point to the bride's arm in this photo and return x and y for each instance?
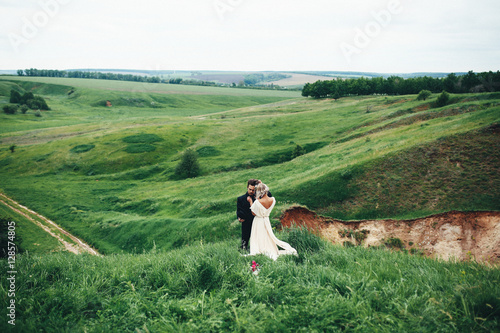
(251, 202)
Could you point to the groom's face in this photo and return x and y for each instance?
(251, 190)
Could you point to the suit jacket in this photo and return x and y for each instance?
(243, 207)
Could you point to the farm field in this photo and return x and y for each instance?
(107, 175)
(142, 87)
(298, 80)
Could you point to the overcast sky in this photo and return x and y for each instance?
(385, 36)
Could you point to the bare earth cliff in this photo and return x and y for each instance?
(450, 235)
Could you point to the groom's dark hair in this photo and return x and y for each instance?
(252, 182)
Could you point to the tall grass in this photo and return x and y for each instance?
(210, 287)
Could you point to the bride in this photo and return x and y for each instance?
(262, 239)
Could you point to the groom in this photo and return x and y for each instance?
(244, 213)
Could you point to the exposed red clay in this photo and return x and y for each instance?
(451, 235)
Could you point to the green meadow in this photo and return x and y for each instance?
(107, 175)
(211, 288)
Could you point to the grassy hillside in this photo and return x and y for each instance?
(107, 173)
(211, 288)
(171, 260)
(31, 238)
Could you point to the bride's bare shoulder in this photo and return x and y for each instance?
(267, 202)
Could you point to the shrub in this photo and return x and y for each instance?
(10, 108)
(37, 102)
(298, 151)
(394, 243)
(359, 236)
(188, 166)
(443, 99)
(423, 95)
(24, 108)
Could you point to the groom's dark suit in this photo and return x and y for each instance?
(243, 212)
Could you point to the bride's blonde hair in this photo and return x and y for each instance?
(261, 190)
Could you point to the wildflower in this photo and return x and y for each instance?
(255, 268)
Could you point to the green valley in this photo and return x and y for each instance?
(101, 164)
(107, 173)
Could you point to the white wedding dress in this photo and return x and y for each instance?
(262, 239)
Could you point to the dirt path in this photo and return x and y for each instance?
(74, 244)
(450, 235)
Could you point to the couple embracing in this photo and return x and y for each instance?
(253, 210)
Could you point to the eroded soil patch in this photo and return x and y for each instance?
(450, 235)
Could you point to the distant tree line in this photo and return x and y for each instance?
(256, 78)
(92, 75)
(106, 76)
(250, 80)
(394, 85)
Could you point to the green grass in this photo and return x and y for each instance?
(29, 236)
(132, 102)
(210, 288)
(458, 172)
(65, 85)
(358, 151)
(172, 264)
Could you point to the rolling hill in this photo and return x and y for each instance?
(105, 172)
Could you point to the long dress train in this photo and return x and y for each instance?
(262, 238)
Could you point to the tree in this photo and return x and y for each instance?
(443, 99)
(37, 102)
(306, 90)
(26, 97)
(15, 97)
(188, 167)
(423, 95)
(32, 101)
(450, 83)
(470, 80)
(319, 89)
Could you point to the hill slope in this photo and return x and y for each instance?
(106, 174)
(210, 287)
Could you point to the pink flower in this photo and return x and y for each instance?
(254, 266)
